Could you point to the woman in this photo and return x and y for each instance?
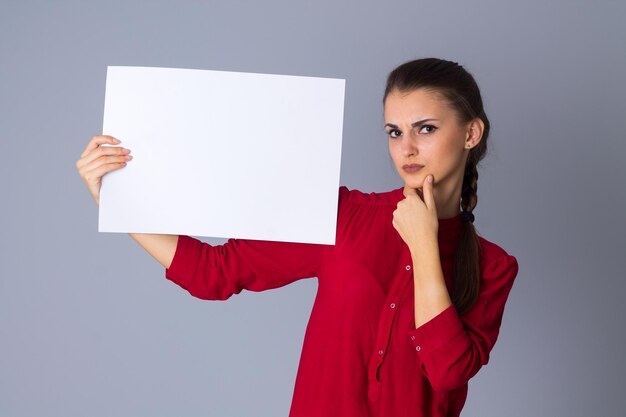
(410, 299)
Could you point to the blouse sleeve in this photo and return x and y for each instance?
(217, 272)
(451, 349)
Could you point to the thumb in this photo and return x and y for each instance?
(427, 190)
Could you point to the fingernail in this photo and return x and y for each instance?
(117, 140)
(430, 179)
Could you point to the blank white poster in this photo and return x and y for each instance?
(223, 154)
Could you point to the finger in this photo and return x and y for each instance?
(394, 222)
(427, 191)
(98, 140)
(103, 160)
(408, 191)
(99, 152)
(96, 174)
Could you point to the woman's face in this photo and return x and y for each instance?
(425, 137)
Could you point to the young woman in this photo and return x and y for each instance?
(410, 299)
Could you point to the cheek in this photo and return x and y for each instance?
(442, 156)
(394, 152)
(447, 148)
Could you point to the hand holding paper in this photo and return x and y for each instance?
(98, 159)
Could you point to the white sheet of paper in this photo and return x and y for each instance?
(223, 154)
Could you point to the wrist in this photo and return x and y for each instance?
(424, 247)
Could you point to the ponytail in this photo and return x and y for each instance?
(468, 254)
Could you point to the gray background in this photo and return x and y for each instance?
(90, 326)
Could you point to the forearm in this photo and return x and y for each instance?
(431, 294)
(160, 247)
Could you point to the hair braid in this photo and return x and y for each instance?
(465, 290)
(469, 197)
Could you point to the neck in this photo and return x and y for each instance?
(447, 199)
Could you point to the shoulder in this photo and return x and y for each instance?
(357, 197)
(497, 262)
(361, 213)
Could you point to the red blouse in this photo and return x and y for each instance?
(362, 355)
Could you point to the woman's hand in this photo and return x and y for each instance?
(415, 218)
(96, 160)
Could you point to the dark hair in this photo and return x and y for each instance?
(459, 89)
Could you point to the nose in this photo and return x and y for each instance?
(409, 146)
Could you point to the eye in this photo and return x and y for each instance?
(394, 133)
(428, 129)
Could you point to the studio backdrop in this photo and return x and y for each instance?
(90, 326)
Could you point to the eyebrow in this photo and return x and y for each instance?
(414, 124)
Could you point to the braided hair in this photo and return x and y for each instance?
(459, 89)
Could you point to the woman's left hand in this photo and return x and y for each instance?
(415, 217)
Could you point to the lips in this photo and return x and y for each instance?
(412, 167)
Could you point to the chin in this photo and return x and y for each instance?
(414, 182)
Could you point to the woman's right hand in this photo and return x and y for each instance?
(96, 160)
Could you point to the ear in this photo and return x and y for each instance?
(474, 132)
